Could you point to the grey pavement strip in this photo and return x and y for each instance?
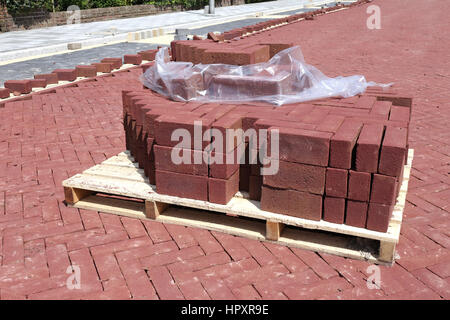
(226, 26)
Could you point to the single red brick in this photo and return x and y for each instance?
(223, 190)
(192, 160)
(356, 214)
(271, 119)
(254, 189)
(298, 176)
(52, 78)
(38, 83)
(66, 74)
(187, 87)
(359, 185)
(368, 147)
(166, 124)
(330, 123)
(293, 203)
(4, 93)
(396, 100)
(244, 177)
(283, 121)
(150, 117)
(336, 182)
(148, 55)
(316, 116)
(378, 216)
(214, 37)
(141, 108)
(253, 113)
(400, 114)
(21, 86)
(149, 161)
(342, 144)
(334, 209)
(229, 126)
(135, 59)
(116, 62)
(277, 46)
(182, 185)
(255, 168)
(381, 109)
(238, 56)
(383, 189)
(223, 165)
(366, 102)
(302, 146)
(137, 103)
(393, 151)
(103, 67)
(213, 111)
(275, 200)
(86, 71)
(248, 86)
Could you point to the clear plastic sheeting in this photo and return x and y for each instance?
(285, 78)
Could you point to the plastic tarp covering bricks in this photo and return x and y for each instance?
(285, 78)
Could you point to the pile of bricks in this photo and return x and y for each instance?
(339, 160)
(149, 121)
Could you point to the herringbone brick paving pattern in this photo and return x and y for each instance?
(54, 136)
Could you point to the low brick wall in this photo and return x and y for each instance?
(42, 18)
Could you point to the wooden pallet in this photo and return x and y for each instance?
(118, 186)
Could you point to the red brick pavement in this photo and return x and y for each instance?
(51, 137)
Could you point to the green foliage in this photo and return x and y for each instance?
(255, 1)
(24, 6)
(62, 5)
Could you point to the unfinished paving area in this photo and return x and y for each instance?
(51, 137)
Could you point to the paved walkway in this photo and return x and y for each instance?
(44, 142)
(19, 44)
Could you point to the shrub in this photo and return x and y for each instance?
(24, 6)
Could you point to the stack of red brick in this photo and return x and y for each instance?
(339, 160)
(250, 51)
(149, 122)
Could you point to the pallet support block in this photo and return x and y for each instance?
(273, 230)
(387, 251)
(73, 195)
(153, 209)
